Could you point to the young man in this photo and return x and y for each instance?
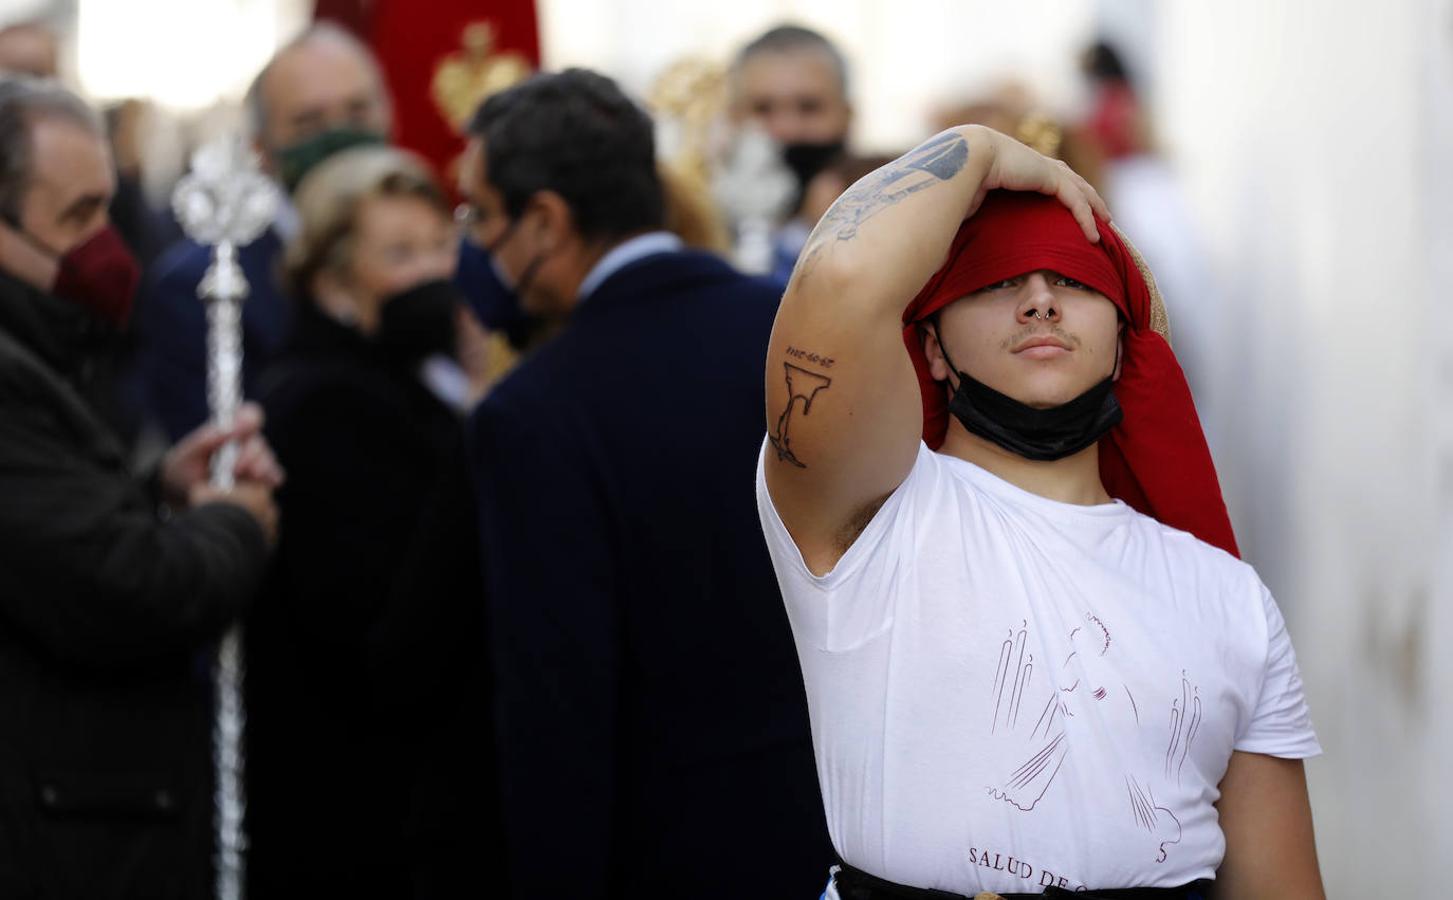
(1017, 682)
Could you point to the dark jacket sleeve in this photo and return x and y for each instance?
(87, 569)
(556, 628)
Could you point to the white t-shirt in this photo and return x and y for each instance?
(1008, 692)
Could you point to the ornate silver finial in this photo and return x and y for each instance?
(225, 199)
(755, 189)
(226, 203)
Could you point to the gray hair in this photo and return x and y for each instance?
(255, 103)
(23, 101)
(794, 39)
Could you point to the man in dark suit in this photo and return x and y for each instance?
(654, 735)
(319, 94)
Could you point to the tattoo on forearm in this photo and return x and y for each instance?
(801, 385)
(936, 161)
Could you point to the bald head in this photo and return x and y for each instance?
(29, 49)
(322, 80)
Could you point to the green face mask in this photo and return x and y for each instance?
(297, 160)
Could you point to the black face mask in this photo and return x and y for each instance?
(807, 160)
(1037, 434)
(419, 322)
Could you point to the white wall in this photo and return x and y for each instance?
(906, 55)
(1305, 131)
(1437, 109)
(182, 54)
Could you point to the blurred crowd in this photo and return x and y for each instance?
(511, 628)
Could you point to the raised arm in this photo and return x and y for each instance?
(843, 411)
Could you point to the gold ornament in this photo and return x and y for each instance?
(689, 100)
(466, 78)
(1042, 133)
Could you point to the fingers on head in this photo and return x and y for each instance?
(1097, 203)
(1092, 196)
(1079, 207)
(1102, 209)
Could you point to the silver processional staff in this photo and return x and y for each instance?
(225, 202)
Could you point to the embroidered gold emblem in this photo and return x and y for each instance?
(467, 77)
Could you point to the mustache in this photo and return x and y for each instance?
(1028, 332)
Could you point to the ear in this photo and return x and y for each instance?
(554, 223)
(1119, 354)
(22, 258)
(937, 365)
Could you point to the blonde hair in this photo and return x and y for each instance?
(330, 197)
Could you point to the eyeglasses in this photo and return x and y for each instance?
(467, 215)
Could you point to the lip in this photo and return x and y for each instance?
(1042, 347)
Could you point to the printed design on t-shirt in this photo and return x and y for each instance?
(1185, 721)
(1082, 680)
(1148, 815)
(1011, 653)
(1027, 784)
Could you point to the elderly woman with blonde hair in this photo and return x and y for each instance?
(369, 768)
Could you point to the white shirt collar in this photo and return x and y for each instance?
(625, 253)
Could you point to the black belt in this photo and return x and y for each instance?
(855, 884)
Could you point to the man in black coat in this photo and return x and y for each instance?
(107, 603)
(653, 732)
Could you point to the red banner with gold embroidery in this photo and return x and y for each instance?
(441, 59)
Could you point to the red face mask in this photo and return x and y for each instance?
(101, 275)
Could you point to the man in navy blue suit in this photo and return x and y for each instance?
(320, 93)
(654, 734)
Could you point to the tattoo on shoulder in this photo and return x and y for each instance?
(936, 161)
(803, 386)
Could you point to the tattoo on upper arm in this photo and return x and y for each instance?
(804, 386)
(808, 356)
(936, 161)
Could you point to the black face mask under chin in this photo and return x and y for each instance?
(1037, 434)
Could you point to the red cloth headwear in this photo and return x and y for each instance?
(1156, 459)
